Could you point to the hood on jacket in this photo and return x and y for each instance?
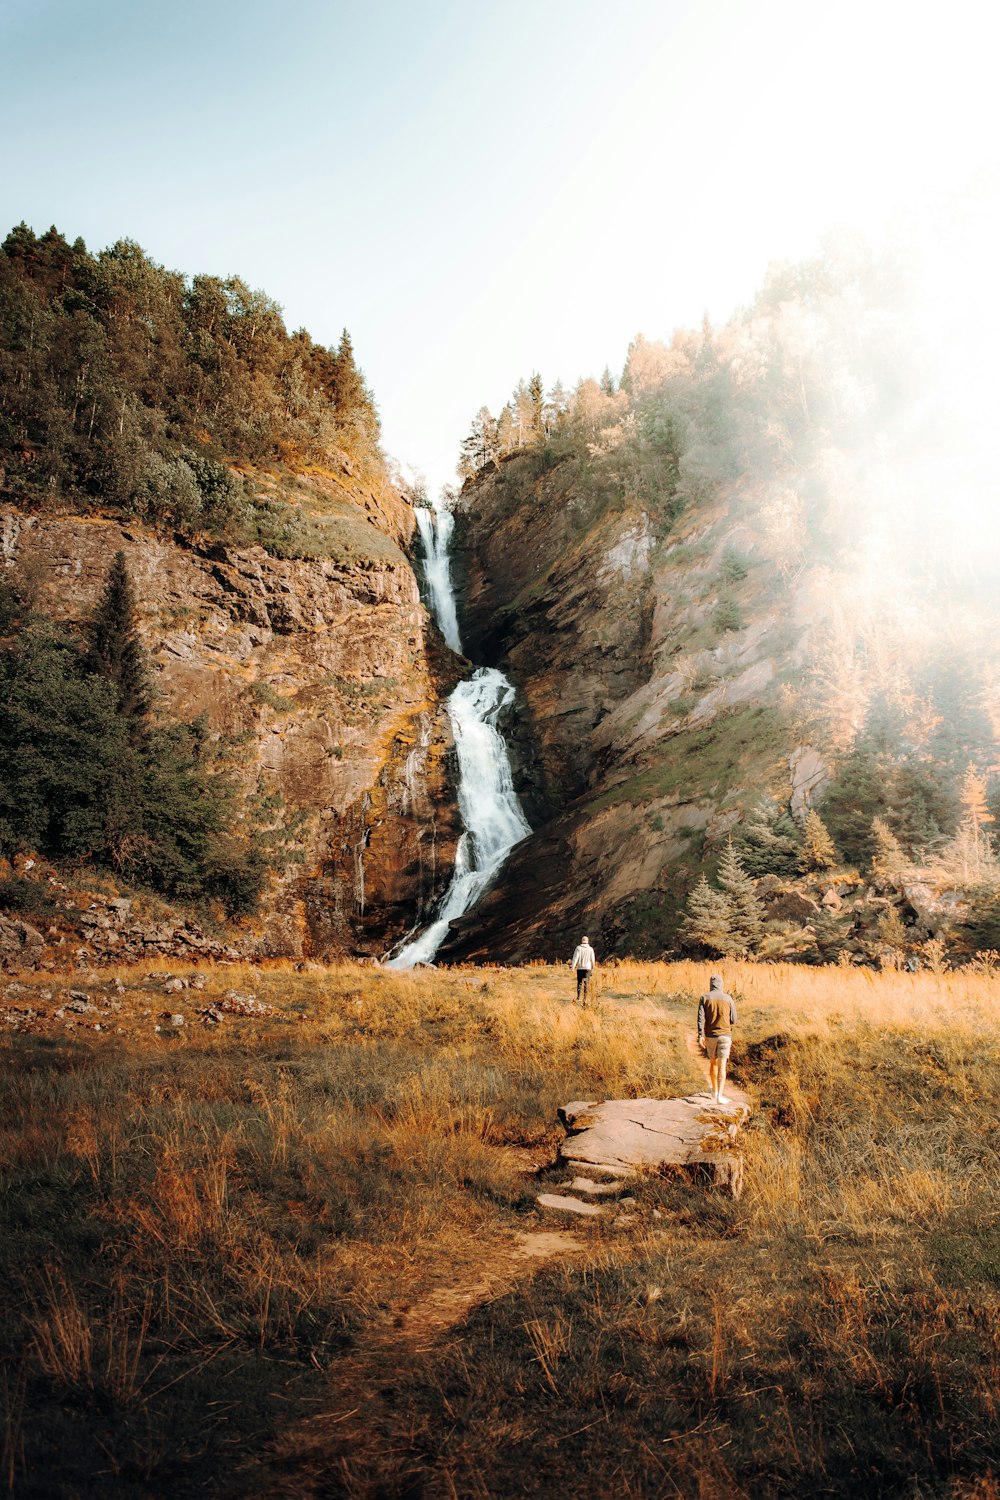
(715, 983)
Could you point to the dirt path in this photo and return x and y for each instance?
(447, 1305)
(327, 1454)
(733, 1095)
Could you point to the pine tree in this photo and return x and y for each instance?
(115, 650)
(768, 841)
(977, 813)
(536, 395)
(352, 399)
(481, 445)
(745, 911)
(888, 858)
(706, 924)
(818, 849)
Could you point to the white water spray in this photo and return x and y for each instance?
(493, 819)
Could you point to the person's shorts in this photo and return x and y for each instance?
(718, 1046)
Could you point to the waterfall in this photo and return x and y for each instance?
(436, 527)
(487, 801)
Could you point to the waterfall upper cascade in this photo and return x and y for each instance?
(493, 819)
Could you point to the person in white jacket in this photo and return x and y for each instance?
(583, 962)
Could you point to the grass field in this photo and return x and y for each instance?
(226, 1247)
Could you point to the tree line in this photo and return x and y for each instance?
(125, 385)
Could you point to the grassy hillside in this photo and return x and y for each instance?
(269, 1250)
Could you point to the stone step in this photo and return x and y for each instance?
(591, 1189)
(560, 1203)
(694, 1135)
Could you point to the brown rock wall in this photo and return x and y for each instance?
(332, 677)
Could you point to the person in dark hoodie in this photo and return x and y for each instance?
(716, 1019)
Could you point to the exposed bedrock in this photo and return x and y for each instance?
(331, 678)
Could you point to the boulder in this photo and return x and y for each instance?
(693, 1135)
(21, 945)
(790, 906)
(935, 911)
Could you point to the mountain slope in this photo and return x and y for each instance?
(721, 580)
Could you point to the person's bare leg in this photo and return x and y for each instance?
(721, 1095)
(713, 1077)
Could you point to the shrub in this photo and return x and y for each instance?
(727, 615)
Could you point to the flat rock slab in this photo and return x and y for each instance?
(693, 1135)
(561, 1204)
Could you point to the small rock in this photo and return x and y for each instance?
(173, 985)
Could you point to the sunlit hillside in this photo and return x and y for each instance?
(750, 577)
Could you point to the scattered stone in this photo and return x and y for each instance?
(233, 1003)
(172, 986)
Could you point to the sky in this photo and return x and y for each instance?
(479, 190)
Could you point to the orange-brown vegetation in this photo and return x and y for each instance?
(218, 1237)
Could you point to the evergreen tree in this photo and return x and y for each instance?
(744, 909)
(888, 858)
(115, 650)
(818, 849)
(706, 924)
(536, 395)
(481, 445)
(976, 813)
(768, 841)
(858, 793)
(507, 430)
(351, 397)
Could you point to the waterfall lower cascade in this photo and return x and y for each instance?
(490, 811)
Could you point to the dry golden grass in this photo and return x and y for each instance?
(210, 1233)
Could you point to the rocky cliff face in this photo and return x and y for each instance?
(670, 673)
(328, 673)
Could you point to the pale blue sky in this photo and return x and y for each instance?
(480, 190)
